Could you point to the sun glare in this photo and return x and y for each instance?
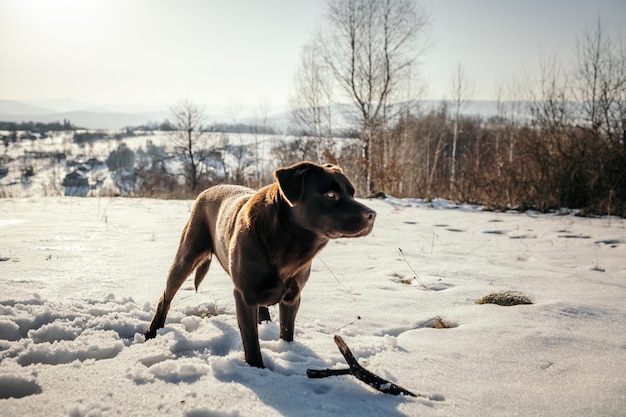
(58, 12)
(58, 9)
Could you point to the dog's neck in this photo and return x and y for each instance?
(268, 209)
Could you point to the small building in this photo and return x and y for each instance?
(94, 163)
(76, 184)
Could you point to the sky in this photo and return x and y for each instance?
(246, 52)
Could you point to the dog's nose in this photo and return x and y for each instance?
(369, 215)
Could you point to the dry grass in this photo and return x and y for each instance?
(437, 323)
(505, 298)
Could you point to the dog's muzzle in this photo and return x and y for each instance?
(362, 225)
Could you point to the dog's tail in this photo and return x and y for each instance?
(201, 271)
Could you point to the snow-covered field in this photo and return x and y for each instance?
(79, 279)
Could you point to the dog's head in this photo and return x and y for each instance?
(322, 200)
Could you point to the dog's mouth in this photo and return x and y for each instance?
(354, 226)
(362, 232)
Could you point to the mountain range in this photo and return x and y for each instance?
(78, 113)
(110, 116)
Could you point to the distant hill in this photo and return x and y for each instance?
(110, 116)
(89, 120)
(95, 118)
(10, 107)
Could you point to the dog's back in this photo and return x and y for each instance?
(216, 210)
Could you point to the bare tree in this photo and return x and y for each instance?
(239, 149)
(368, 46)
(601, 81)
(551, 104)
(261, 124)
(311, 100)
(191, 140)
(462, 91)
(500, 124)
(438, 125)
(513, 112)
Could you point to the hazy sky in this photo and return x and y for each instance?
(245, 52)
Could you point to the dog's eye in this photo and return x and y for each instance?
(332, 195)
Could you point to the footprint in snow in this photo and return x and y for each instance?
(12, 386)
(60, 333)
(610, 242)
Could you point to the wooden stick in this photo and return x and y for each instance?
(323, 373)
(359, 372)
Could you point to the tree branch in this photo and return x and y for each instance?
(360, 373)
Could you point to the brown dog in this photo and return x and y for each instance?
(266, 241)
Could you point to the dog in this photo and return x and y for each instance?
(266, 241)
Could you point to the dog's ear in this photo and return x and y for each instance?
(291, 180)
(332, 168)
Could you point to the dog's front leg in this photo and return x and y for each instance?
(289, 305)
(288, 313)
(248, 318)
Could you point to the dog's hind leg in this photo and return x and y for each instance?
(178, 272)
(264, 314)
(194, 252)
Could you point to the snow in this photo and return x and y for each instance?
(80, 278)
